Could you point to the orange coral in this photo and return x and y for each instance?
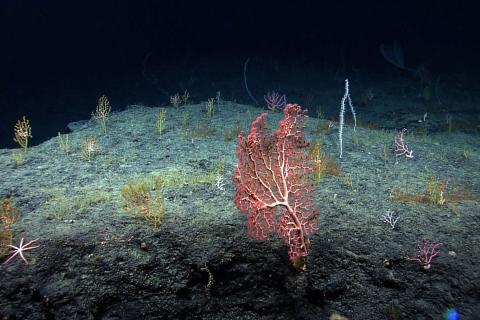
(9, 214)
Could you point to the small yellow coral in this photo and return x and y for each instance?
(175, 100)
(185, 97)
(102, 112)
(90, 148)
(23, 131)
(9, 214)
(137, 199)
(322, 162)
(161, 121)
(210, 107)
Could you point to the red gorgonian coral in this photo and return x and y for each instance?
(273, 176)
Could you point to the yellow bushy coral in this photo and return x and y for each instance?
(9, 214)
(137, 199)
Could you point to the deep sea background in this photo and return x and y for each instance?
(58, 57)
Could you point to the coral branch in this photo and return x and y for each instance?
(273, 174)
